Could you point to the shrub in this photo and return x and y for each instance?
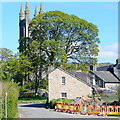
(68, 100)
(12, 91)
(24, 90)
(54, 101)
(52, 104)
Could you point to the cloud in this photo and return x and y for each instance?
(108, 52)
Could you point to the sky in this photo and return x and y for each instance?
(102, 14)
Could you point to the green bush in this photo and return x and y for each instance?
(54, 101)
(29, 85)
(12, 91)
(24, 90)
(68, 100)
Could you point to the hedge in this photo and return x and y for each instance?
(12, 91)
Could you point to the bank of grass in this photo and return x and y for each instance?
(27, 100)
(10, 93)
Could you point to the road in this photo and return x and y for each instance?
(38, 111)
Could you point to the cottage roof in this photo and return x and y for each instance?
(84, 76)
(106, 76)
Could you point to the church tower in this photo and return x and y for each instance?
(23, 26)
(24, 22)
(24, 18)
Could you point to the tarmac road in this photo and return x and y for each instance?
(39, 111)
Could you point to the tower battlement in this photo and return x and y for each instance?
(24, 18)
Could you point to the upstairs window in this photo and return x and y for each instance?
(63, 80)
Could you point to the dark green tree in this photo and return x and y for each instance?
(14, 66)
(24, 70)
(37, 59)
(7, 57)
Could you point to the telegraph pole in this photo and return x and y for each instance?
(6, 105)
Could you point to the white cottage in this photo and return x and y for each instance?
(63, 84)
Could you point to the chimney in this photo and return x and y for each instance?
(93, 67)
(117, 61)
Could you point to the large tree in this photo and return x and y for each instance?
(57, 38)
(79, 38)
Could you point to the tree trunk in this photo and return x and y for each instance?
(36, 83)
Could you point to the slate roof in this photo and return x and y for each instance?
(84, 76)
(106, 76)
(103, 68)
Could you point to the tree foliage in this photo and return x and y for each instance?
(79, 39)
(6, 54)
(14, 66)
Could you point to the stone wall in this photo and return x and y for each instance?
(112, 85)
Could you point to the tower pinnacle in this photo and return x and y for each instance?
(26, 8)
(21, 14)
(27, 12)
(36, 11)
(41, 9)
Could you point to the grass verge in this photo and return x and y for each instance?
(35, 100)
(110, 98)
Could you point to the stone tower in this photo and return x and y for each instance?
(24, 22)
(21, 23)
(24, 18)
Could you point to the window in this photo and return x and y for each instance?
(63, 80)
(78, 97)
(63, 95)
